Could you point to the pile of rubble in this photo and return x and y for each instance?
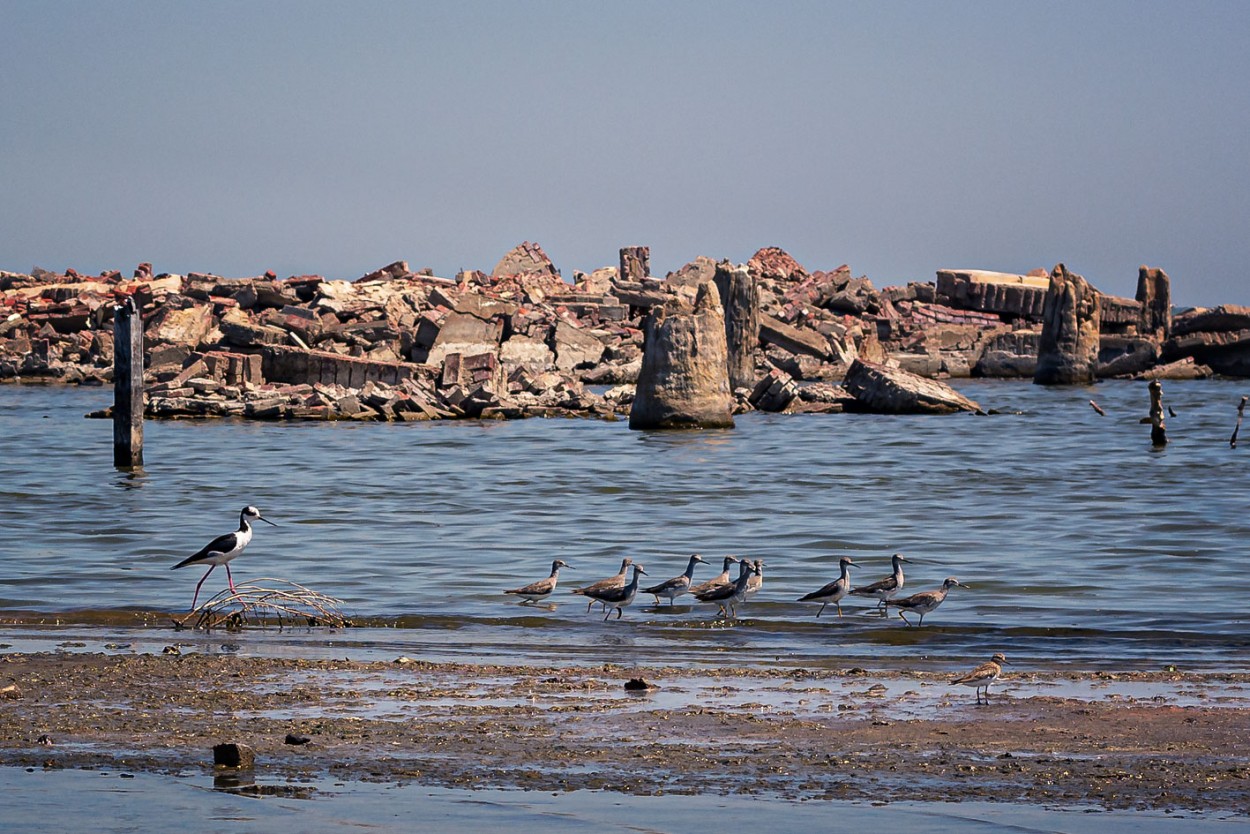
(522, 341)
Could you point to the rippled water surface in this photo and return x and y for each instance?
(1081, 544)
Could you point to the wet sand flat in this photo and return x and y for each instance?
(1133, 740)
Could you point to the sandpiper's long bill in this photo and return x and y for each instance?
(981, 677)
(224, 548)
(543, 588)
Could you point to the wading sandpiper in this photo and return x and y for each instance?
(722, 579)
(833, 592)
(728, 596)
(885, 588)
(543, 588)
(620, 597)
(595, 588)
(756, 581)
(678, 585)
(925, 601)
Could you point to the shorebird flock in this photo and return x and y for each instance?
(617, 592)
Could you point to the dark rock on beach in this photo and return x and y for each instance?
(234, 755)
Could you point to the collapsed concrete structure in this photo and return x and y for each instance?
(399, 344)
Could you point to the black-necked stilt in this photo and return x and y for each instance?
(981, 677)
(833, 592)
(886, 588)
(675, 587)
(925, 601)
(223, 548)
(617, 597)
(722, 579)
(594, 589)
(543, 588)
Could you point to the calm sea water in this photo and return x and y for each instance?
(1082, 545)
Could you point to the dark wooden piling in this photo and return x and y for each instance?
(127, 385)
(1158, 431)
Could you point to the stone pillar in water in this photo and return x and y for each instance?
(1068, 353)
(684, 381)
(1154, 291)
(740, 301)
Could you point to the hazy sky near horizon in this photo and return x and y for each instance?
(897, 137)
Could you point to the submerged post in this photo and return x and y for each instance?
(1158, 432)
(1241, 410)
(127, 385)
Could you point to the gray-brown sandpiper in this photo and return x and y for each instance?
(722, 579)
(925, 601)
(543, 588)
(833, 592)
(678, 585)
(617, 598)
(728, 596)
(885, 588)
(617, 581)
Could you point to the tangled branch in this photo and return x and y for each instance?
(253, 603)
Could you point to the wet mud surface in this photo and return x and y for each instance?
(1159, 740)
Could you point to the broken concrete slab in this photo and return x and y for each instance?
(575, 348)
(889, 390)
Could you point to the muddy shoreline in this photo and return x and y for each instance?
(852, 734)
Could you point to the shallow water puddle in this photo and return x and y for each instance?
(112, 802)
(391, 694)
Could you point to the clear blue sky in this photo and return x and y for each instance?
(898, 137)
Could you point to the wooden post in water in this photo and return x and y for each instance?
(1158, 432)
(1241, 410)
(127, 385)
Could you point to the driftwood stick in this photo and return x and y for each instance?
(1158, 431)
(1241, 410)
(255, 603)
(1097, 408)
